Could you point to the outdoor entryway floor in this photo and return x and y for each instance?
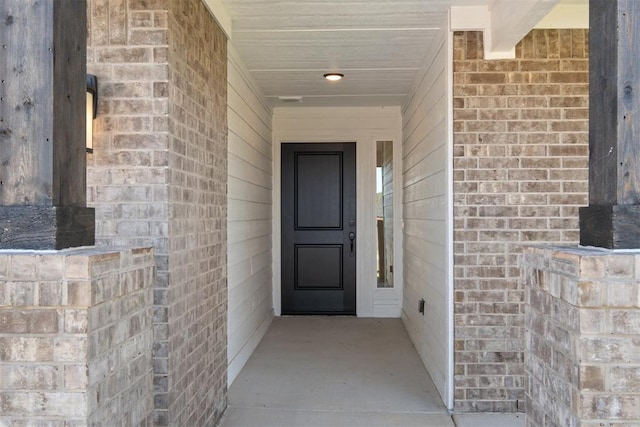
(339, 371)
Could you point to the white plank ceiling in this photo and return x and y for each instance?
(378, 45)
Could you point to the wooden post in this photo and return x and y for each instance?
(42, 125)
(612, 219)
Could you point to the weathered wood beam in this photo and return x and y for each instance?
(612, 219)
(42, 125)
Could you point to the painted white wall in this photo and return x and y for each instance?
(250, 310)
(567, 16)
(427, 215)
(364, 126)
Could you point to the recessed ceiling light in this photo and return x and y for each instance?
(334, 77)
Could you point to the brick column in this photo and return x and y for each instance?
(582, 337)
(520, 175)
(76, 337)
(158, 177)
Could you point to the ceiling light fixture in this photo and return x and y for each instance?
(333, 77)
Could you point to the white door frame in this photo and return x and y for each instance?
(390, 301)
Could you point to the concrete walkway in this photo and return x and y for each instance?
(489, 420)
(338, 371)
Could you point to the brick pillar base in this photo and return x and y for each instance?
(76, 337)
(582, 337)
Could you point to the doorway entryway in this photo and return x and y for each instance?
(319, 228)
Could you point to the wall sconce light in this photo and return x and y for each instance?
(92, 108)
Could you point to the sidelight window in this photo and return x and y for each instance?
(384, 213)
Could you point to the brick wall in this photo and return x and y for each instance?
(126, 180)
(157, 178)
(520, 174)
(197, 295)
(582, 339)
(76, 337)
(127, 173)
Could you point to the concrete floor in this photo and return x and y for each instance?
(339, 371)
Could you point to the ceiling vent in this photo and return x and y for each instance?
(290, 98)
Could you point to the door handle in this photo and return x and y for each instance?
(352, 238)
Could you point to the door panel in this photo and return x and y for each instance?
(318, 228)
(318, 179)
(318, 267)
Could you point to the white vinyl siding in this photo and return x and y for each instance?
(426, 169)
(250, 190)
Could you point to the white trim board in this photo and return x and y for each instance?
(449, 399)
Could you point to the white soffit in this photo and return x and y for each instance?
(379, 45)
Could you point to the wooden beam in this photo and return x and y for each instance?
(42, 125)
(46, 227)
(504, 23)
(612, 219)
(511, 20)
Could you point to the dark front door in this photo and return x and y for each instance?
(318, 228)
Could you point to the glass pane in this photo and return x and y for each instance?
(384, 213)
